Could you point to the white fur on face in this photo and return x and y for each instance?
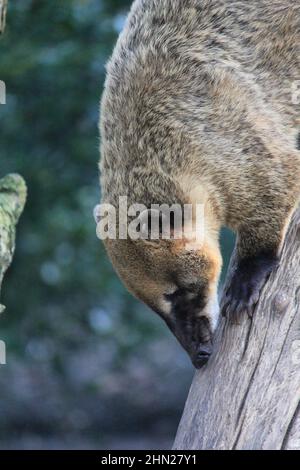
(212, 311)
(165, 306)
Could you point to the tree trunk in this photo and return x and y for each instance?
(248, 395)
(12, 200)
(3, 8)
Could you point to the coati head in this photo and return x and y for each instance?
(177, 278)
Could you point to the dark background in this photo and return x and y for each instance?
(87, 365)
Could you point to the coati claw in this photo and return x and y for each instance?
(248, 280)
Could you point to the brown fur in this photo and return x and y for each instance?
(197, 107)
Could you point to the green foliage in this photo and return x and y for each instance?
(52, 60)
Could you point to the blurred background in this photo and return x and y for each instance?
(87, 365)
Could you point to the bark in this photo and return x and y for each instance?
(12, 201)
(3, 8)
(248, 395)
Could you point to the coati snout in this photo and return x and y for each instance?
(176, 282)
(191, 323)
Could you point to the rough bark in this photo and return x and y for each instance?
(3, 9)
(248, 395)
(12, 200)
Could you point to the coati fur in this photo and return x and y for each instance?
(198, 108)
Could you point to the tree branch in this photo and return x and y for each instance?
(12, 201)
(3, 9)
(247, 396)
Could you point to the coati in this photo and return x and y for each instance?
(198, 108)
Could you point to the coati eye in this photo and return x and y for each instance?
(190, 292)
(171, 297)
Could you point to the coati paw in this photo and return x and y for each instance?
(248, 280)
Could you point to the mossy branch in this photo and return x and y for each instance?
(12, 200)
(3, 9)
(13, 193)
